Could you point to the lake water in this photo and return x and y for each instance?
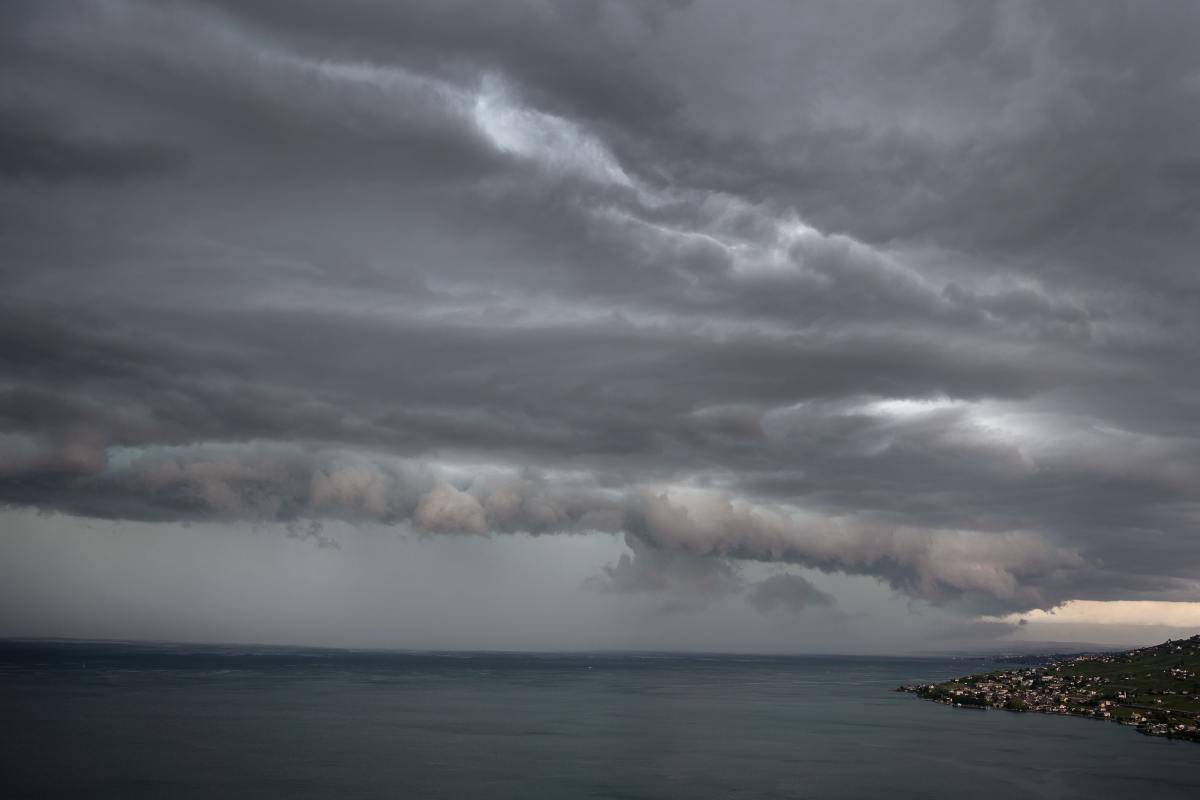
(163, 721)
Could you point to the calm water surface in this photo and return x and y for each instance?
(103, 720)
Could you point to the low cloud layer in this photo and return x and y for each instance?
(904, 291)
(681, 538)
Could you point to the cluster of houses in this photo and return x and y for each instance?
(1054, 689)
(1033, 689)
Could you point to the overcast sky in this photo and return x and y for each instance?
(733, 326)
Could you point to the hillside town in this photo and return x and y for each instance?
(1154, 689)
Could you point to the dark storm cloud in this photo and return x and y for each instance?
(29, 149)
(898, 290)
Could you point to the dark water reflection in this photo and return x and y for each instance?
(101, 720)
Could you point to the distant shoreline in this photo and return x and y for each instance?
(1036, 652)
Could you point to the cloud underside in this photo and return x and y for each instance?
(911, 300)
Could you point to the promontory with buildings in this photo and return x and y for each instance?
(1154, 689)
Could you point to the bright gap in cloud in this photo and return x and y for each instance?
(911, 407)
(1113, 612)
(542, 137)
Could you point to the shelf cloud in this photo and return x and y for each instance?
(909, 298)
